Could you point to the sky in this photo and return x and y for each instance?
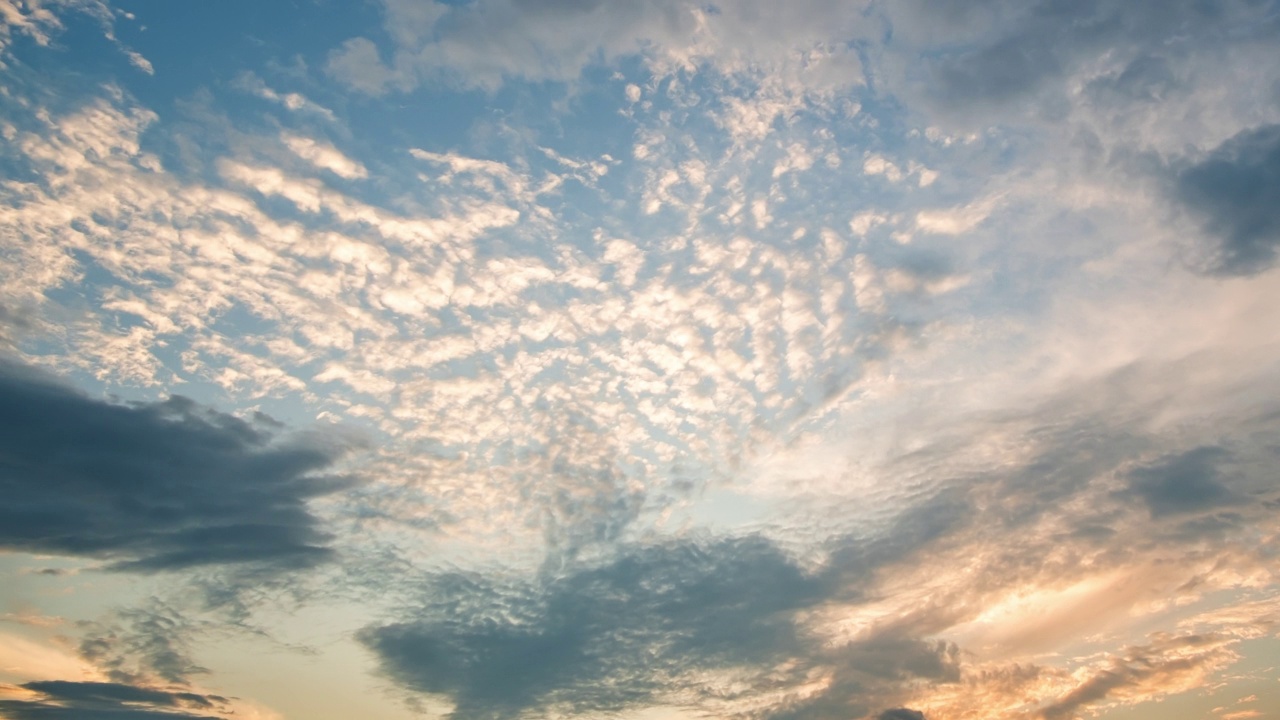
(654, 360)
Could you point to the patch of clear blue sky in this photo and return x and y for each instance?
(197, 43)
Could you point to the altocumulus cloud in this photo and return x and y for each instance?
(155, 486)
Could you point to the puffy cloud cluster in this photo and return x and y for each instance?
(555, 382)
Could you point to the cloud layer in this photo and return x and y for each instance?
(874, 360)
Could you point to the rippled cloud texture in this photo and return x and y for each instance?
(505, 359)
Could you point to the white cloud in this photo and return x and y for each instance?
(293, 101)
(955, 221)
(760, 212)
(862, 223)
(30, 19)
(876, 164)
(137, 60)
(324, 156)
(797, 159)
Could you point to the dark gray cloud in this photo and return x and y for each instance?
(901, 714)
(155, 486)
(108, 701)
(866, 674)
(994, 52)
(642, 626)
(998, 72)
(1183, 483)
(1235, 193)
(602, 638)
(927, 520)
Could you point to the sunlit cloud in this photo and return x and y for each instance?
(890, 361)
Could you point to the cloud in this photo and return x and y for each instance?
(868, 674)
(296, 102)
(1000, 71)
(56, 699)
(450, 322)
(16, 322)
(151, 641)
(573, 364)
(325, 156)
(1000, 55)
(1168, 665)
(631, 631)
(137, 60)
(1233, 192)
(155, 486)
(1147, 78)
(357, 65)
(1185, 483)
(904, 613)
(485, 43)
(721, 622)
(39, 22)
(901, 714)
(956, 221)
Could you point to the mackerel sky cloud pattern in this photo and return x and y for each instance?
(565, 358)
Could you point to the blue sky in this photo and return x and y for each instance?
(569, 359)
